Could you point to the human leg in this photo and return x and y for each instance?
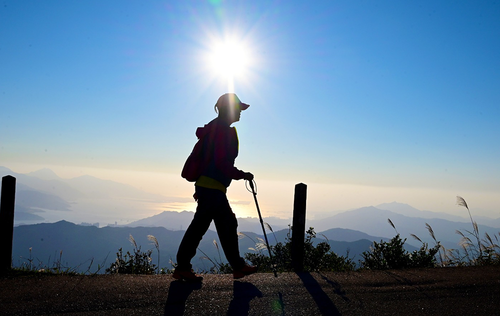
(226, 225)
(193, 235)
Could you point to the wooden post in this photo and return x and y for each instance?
(7, 222)
(299, 227)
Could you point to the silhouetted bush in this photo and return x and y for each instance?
(392, 255)
(139, 262)
(316, 258)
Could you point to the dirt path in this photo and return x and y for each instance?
(440, 291)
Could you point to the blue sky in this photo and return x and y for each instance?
(372, 95)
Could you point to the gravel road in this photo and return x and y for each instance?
(439, 291)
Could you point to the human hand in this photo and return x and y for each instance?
(248, 176)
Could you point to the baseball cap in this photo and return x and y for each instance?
(228, 100)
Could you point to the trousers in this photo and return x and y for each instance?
(212, 205)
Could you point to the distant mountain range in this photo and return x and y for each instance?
(372, 221)
(181, 220)
(41, 192)
(86, 248)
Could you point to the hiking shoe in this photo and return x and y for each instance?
(186, 275)
(246, 270)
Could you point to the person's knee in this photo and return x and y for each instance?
(226, 223)
(201, 219)
(232, 219)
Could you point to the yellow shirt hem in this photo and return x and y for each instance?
(209, 183)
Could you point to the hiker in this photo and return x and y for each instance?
(220, 142)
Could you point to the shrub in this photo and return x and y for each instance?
(393, 255)
(316, 258)
(139, 262)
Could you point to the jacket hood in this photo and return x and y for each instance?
(202, 131)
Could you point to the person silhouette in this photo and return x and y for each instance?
(220, 151)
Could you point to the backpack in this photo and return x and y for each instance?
(197, 161)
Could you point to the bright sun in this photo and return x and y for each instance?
(229, 59)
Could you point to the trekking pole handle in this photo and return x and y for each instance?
(251, 185)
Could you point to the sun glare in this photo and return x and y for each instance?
(229, 60)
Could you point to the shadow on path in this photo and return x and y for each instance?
(178, 294)
(336, 288)
(324, 302)
(243, 293)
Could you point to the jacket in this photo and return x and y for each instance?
(222, 146)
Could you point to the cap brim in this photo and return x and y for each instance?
(244, 106)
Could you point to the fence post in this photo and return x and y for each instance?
(299, 227)
(7, 222)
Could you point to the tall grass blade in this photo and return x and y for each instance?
(476, 229)
(155, 242)
(431, 231)
(243, 235)
(272, 231)
(488, 239)
(132, 240)
(269, 227)
(261, 246)
(461, 202)
(326, 238)
(392, 224)
(207, 257)
(416, 237)
(218, 250)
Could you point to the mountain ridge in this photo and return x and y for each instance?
(86, 248)
(56, 195)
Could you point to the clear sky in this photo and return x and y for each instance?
(365, 101)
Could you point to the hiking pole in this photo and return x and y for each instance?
(263, 229)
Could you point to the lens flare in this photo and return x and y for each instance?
(229, 60)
